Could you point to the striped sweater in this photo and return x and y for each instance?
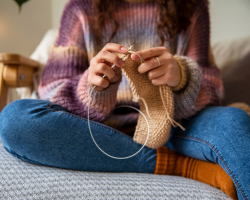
(65, 76)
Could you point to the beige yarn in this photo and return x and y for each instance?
(156, 103)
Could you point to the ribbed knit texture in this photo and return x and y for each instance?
(64, 80)
(157, 105)
(172, 163)
(183, 72)
(23, 180)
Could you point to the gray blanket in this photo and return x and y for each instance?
(21, 180)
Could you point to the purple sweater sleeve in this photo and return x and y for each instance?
(204, 86)
(65, 76)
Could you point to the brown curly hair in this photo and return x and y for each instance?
(174, 17)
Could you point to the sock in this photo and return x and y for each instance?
(156, 103)
(172, 163)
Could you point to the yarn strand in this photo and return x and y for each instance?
(146, 106)
(173, 122)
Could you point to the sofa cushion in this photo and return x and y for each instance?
(236, 82)
(22, 180)
(230, 51)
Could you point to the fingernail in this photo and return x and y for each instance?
(123, 48)
(134, 56)
(121, 63)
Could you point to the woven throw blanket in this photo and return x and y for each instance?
(22, 180)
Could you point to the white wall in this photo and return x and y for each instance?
(229, 18)
(57, 9)
(22, 32)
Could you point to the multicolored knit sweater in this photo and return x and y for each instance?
(65, 77)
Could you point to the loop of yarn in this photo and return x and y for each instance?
(114, 157)
(100, 147)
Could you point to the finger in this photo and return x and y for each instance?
(159, 80)
(156, 73)
(149, 53)
(99, 82)
(114, 68)
(109, 64)
(117, 77)
(113, 47)
(117, 70)
(104, 69)
(149, 65)
(97, 88)
(106, 56)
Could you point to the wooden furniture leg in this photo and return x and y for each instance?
(3, 89)
(15, 71)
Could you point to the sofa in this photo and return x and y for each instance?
(22, 180)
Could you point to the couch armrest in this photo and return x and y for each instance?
(15, 71)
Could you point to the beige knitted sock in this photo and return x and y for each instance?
(156, 103)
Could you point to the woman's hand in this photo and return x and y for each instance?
(168, 72)
(101, 64)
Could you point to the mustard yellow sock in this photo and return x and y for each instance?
(172, 163)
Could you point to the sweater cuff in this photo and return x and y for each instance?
(183, 71)
(103, 101)
(184, 100)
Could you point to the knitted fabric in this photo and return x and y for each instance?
(22, 180)
(172, 163)
(65, 77)
(183, 72)
(156, 103)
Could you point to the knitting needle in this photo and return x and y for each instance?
(130, 47)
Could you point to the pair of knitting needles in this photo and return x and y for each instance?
(130, 48)
(129, 51)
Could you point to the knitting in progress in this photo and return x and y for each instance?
(65, 77)
(156, 102)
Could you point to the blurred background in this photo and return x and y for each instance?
(21, 32)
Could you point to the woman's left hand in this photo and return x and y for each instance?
(164, 71)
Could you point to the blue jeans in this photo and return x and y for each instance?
(42, 132)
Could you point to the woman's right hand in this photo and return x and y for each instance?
(101, 64)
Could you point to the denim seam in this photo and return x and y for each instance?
(220, 157)
(24, 158)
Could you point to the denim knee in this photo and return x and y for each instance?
(234, 114)
(11, 120)
(213, 130)
(15, 119)
(230, 135)
(234, 121)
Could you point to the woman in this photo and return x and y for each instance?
(177, 34)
